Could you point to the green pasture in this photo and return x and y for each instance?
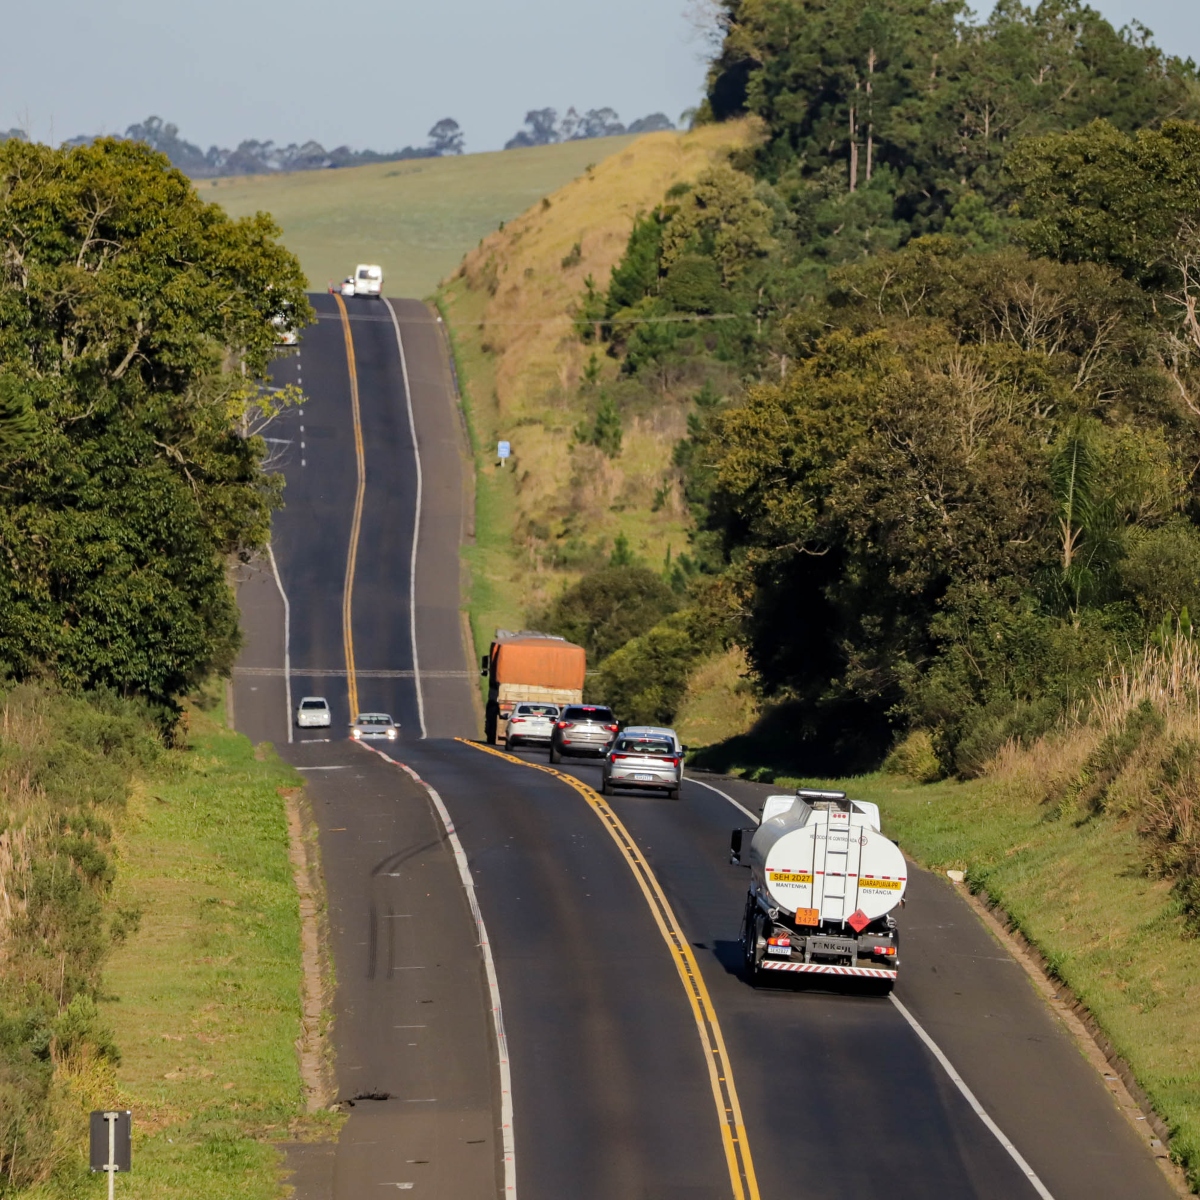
(416, 218)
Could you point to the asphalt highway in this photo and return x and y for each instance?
(612, 1091)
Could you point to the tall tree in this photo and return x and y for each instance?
(136, 323)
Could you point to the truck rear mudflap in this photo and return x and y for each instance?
(826, 969)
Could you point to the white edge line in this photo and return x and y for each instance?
(936, 1051)
(724, 796)
(489, 965)
(969, 1096)
(412, 566)
(287, 642)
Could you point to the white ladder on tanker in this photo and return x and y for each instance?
(839, 865)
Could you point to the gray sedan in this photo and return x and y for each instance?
(643, 760)
(374, 725)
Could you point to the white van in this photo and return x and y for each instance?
(368, 280)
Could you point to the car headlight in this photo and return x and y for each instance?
(391, 733)
(356, 734)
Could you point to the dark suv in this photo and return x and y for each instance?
(582, 729)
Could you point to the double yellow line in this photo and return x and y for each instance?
(356, 524)
(729, 1112)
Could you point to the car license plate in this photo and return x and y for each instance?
(643, 775)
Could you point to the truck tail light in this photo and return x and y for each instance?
(887, 951)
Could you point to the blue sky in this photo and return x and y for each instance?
(373, 73)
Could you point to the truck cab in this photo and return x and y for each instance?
(368, 280)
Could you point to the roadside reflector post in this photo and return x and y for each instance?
(111, 1143)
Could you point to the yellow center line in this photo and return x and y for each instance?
(356, 524)
(720, 1073)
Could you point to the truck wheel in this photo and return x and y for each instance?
(555, 757)
(750, 970)
(490, 721)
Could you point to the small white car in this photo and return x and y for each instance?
(313, 713)
(347, 286)
(530, 722)
(284, 333)
(374, 725)
(368, 280)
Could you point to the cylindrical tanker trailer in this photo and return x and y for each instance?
(823, 886)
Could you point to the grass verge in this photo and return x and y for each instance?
(204, 1000)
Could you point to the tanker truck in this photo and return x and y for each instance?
(824, 883)
(530, 666)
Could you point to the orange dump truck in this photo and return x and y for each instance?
(530, 666)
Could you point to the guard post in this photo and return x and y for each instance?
(111, 1143)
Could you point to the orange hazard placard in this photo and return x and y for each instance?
(808, 916)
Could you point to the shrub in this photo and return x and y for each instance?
(646, 679)
(916, 758)
(607, 608)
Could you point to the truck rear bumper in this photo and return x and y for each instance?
(827, 969)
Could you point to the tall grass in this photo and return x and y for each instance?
(65, 768)
(1132, 750)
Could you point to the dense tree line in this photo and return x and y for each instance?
(942, 469)
(136, 326)
(543, 127)
(252, 157)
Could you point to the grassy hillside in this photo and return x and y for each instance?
(557, 508)
(416, 218)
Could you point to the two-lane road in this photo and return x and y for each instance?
(613, 1090)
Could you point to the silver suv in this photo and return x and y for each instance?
(584, 729)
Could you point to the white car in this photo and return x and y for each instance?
(314, 713)
(284, 333)
(374, 725)
(347, 286)
(530, 722)
(368, 280)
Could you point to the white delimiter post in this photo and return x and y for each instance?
(111, 1118)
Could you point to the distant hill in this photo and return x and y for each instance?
(417, 219)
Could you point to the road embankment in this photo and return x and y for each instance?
(183, 953)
